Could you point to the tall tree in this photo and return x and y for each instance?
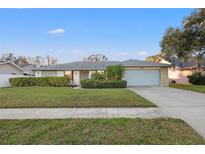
(8, 57)
(38, 60)
(153, 58)
(194, 30)
(174, 43)
(21, 60)
(51, 60)
(168, 43)
(189, 40)
(54, 61)
(96, 57)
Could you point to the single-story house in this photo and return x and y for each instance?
(8, 70)
(137, 73)
(181, 70)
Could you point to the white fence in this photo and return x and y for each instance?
(4, 79)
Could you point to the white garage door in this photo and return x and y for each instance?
(4, 80)
(142, 77)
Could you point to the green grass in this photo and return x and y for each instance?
(195, 88)
(67, 97)
(98, 131)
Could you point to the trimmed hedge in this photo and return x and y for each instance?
(90, 83)
(39, 81)
(197, 78)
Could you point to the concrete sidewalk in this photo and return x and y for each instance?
(61, 113)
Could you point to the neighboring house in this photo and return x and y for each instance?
(137, 73)
(181, 69)
(8, 70)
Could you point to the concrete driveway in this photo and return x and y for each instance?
(186, 105)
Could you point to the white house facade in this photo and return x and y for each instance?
(137, 73)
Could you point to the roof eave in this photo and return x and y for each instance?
(7, 62)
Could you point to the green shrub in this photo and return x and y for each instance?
(90, 83)
(114, 72)
(39, 81)
(197, 78)
(98, 76)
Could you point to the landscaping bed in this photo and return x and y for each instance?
(195, 88)
(110, 78)
(18, 97)
(98, 131)
(90, 83)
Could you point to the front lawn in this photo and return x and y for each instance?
(68, 97)
(195, 88)
(98, 131)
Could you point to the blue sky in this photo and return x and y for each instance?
(71, 34)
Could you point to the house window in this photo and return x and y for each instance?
(49, 73)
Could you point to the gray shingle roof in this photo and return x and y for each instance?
(13, 64)
(140, 63)
(87, 65)
(57, 67)
(185, 64)
(28, 69)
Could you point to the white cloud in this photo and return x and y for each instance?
(56, 31)
(76, 51)
(60, 51)
(142, 53)
(123, 53)
(73, 52)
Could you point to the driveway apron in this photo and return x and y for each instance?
(186, 105)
